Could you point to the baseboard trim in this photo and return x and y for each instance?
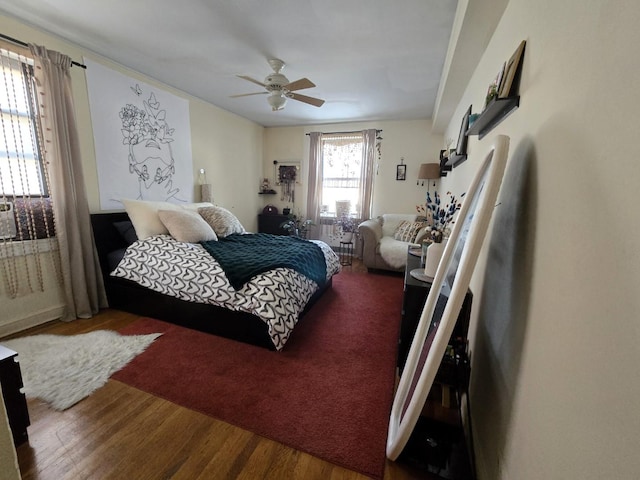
(33, 320)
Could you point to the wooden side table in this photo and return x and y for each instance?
(14, 399)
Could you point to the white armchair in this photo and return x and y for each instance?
(385, 240)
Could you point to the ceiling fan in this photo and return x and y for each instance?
(279, 88)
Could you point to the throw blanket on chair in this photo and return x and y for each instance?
(243, 256)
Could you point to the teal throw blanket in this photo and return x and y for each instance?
(243, 256)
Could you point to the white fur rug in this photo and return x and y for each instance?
(64, 369)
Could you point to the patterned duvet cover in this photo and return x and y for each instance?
(186, 271)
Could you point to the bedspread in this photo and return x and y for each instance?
(187, 271)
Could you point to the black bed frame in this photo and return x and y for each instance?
(131, 297)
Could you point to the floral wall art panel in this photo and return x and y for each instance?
(142, 139)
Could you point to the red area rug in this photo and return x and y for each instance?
(328, 393)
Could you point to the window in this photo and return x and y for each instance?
(341, 174)
(24, 196)
(21, 172)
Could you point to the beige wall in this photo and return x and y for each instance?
(411, 140)
(555, 333)
(227, 146)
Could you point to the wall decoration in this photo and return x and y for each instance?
(401, 171)
(142, 139)
(287, 176)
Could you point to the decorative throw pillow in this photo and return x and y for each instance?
(222, 221)
(408, 231)
(126, 231)
(144, 216)
(186, 226)
(194, 207)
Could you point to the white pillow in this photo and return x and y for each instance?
(186, 226)
(144, 216)
(221, 220)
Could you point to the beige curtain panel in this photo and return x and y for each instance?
(81, 275)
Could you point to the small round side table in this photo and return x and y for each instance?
(346, 253)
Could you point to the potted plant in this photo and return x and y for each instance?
(297, 226)
(347, 226)
(440, 216)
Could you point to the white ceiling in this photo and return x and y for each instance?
(369, 59)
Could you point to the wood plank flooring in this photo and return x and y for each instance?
(120, 432)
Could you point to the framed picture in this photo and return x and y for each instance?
(511, 70)
(461, 147)
(401, 172)
(445, 297)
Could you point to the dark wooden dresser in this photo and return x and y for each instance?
(14, 399)
(438, 442)
(270, 223)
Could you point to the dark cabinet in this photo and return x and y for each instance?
(415, 296)
(438, 442)
(270, 223)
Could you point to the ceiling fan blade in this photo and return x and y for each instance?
(316, 102)
(300, 84)
(247, 94)
(253, 80)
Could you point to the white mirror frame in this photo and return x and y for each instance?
(457, 265)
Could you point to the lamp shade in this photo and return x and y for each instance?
(429, 171)
(277, 100)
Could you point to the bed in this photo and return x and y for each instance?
(253, 320)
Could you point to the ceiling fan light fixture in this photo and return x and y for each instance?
(277, 100)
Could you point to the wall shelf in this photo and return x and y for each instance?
(495, 112)
(455, 160)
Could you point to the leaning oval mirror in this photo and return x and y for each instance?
(445, 297)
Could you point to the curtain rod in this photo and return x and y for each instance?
(23, 44)
(334, 133)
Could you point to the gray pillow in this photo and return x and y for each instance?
(186, 226)
(223, 222)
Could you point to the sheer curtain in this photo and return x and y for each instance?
(81, 275)
(314, 192)
(368, 161)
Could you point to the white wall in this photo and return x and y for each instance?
(227, 146)
(411, 140)
(555, 329)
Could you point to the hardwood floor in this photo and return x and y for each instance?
(120, 432)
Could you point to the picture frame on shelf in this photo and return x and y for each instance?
(511, 71)
(444, 158)
(461, 146)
